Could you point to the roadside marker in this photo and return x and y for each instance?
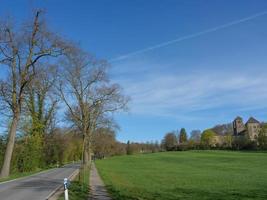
(66, 189)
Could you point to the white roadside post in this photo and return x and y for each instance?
(66, 189)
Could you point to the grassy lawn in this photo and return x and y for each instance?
(197, 175)
(79, 188)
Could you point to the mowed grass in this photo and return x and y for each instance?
(194, 175)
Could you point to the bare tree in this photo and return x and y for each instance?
(21, 49)
(88, 94)
(41, 100)
(104, 142)
(195, 135)
(170, 141)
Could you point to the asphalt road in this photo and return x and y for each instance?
(36, 187)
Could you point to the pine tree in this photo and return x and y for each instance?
(183, 136)
(128, 148)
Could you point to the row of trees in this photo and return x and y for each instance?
(59, 147)
(172, 139)
(43, 74)
(219, 137)
(147, 147)
(105, 145)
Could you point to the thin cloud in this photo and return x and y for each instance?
(239, 21)
(168, 95)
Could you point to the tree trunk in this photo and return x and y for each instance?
(86, 152)
(10, 147)
(86, 157)
(89, 151)
(89, 155)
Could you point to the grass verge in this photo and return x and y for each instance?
(79, 188)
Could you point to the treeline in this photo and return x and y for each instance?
(47, 80)
(218, 137)
(54, 149)
(147, 147)
(106, 145)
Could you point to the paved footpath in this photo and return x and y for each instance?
(97, 187)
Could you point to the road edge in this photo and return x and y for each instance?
(23, 177)
(54, 195)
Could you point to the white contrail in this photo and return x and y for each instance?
(122, 57)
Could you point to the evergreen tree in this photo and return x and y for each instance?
(128, 148)
(183, 136)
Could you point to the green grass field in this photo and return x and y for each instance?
(194, 175)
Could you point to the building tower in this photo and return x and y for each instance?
(238, 126)
(253, 128)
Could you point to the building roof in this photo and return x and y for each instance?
(238, 118)
(252, 120)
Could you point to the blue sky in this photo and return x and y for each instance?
(218, 73)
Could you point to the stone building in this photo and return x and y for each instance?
(251, 128)
(238, 126)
